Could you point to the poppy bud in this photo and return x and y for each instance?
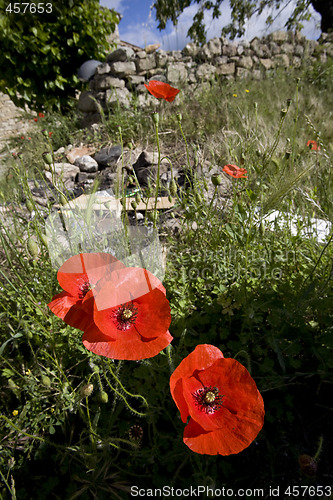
(104, 398)
(255, 104)
(46, 381)
(308, 465)
(86, 390)
(179, 117)
(216, 179)
(63, 200)
(137, 198)
(170, 198)
(134, 204)
(45, 132)
(47, 157)
(156, 118)
(262, 228)
(198, 197)
(29, 205)
(173, 187)
(289, 101)
(32, 247)
(131, 180)
(36, 184)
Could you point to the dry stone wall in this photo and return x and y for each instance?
(125, 69)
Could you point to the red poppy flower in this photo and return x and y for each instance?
(41, 115)
(35, 119)
(235, 171)
(76, 277)
(162, 90)
(131, 316)
(50, 134)
(313, 145)
(226, 409)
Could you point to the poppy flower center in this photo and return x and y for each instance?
(84, 289)
(124, 316)
(208, 399)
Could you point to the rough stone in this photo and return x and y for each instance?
(122, 54)
(205, 71)
(145, 63)
(86, 164)
(245, 62)
(267, 63)
(226, 69)
(279, 36)
(114, 97)
(86, 102)
(108, 157)
(191, 49)
(281, 60)
(176, 73)
(106, 82)
(66, 172)
(102, 69)
(121, 69)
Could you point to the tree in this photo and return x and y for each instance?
(241, 10)
(42, 51)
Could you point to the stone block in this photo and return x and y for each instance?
(176, 73)
(86, 103)
(122, 54)
(106, 82)
(226, 69)
(122, 69)
(205, 71)
(146, 63)
(245, 62)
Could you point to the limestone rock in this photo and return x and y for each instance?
(86, 103)
(177, 73)
(66, 172)
(86, 164)
(145, 63)
(121, 69)
(123, 54)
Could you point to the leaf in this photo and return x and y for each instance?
(16, 336)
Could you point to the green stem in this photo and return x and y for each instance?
(158, 172)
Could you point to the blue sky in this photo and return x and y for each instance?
(138, 25)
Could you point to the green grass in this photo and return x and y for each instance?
(255, 290)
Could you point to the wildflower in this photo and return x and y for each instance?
(226, 409)
(50, 134)
(162, 90)
(135, 432)
(41, 115)
(131, 316)
(76, 277)
(313, 145)
(35, 119)
(247, 91)
(235, 171)
(22, 137)
(15, 413)
(234, 95)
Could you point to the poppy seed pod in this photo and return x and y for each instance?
(216, 179)
(45, 132)
(46, 381)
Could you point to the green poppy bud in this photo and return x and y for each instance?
(216, 179)
(32, 247)
(86, 390)
(173, 187)
(104, 398)
(29, 205)
(45, 132)
(156, 118)
(134, 204)
(63, 200)
(179, 117)
(47, 157)
(137, 198)
(44, 239)
(46, 381)
(170, 198)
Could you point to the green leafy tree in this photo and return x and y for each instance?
(241, 11)
(42, 51)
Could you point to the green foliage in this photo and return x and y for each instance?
(241, 11)
(41, 53)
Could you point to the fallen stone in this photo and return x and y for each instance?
(108, 157)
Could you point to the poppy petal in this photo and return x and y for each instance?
(162, 90)
(65, 307)
(85, 268)
(126, 347)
